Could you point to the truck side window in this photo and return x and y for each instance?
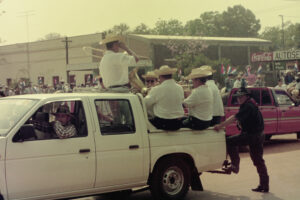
(265, 98)
(115, 117)
(44, 122)
(256, 95)
(282, 98)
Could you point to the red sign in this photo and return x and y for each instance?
(262, 57)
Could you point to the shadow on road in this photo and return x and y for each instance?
(217, 196)
(279, 145)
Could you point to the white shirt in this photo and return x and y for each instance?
(114, 68)
(166, 99)
(218, 108)
(237, 83)
(200, 103)
(283, 86)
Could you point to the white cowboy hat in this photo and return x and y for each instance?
(111, 38)
(199, 73)
(207, 67)
(150, 75)
(165, 70)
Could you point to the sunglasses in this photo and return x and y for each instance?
(150, 81)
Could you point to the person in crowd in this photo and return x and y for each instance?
(297, 87)
(280, 85)
(259, 81)
(200, 101)
(289, 78)
(218, 108)
(62, 125)
(151, 79)
(238, 81)
(166, 100)
(229, 82)
(114, 64)
(251, 124)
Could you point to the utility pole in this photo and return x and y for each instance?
(27, 14)
(282, 29)
(66, 41)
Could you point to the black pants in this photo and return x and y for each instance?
(196, 124)
(215, 120)
(166, 124)
(255, 142)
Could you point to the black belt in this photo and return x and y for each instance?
(116, 86)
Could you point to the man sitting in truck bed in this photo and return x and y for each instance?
(166, 100)
(200, 102)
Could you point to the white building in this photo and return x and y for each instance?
(45, 61)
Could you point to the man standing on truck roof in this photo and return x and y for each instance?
(114, 64)
(166, 100)
(218, 108)
(200, 101)
(251, 123)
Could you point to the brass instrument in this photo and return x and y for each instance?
(91, 48)
(136, 82)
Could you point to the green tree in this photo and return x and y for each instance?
(51, 36)
(142, 29)
(238, 22)
(235, 22)
(291, 36)
(171, 27)
(121, 29)
(273, 34)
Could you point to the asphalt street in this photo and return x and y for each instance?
(282, 156)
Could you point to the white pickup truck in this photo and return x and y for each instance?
(115, 149)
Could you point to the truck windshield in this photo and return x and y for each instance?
(11, 111)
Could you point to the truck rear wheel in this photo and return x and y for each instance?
(170, 180)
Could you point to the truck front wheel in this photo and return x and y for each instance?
(170, 180)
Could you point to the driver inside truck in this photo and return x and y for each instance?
(62, 125)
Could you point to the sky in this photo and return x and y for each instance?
(80, 17)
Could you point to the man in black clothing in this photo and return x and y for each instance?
(250, 122)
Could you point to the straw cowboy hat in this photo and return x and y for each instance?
(165, 70)
(150, 75)
(199, 73)
(208, 68)
(63, 109)
(111, 38)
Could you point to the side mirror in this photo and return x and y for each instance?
(26, 132)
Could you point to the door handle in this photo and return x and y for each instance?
(84, 150)
(134, 146)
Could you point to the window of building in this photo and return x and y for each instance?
(115, 117)
(41, 80)
(9, 82)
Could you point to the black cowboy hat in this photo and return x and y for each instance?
(241, 92)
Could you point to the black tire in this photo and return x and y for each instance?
(298, 135)
(268, 137)
(170, 180)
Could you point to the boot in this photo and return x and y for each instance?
(261, 189)
(263, 184)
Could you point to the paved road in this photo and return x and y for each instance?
(282, 156)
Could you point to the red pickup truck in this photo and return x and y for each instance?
(281, 113)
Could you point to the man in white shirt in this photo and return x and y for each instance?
(280, 85)
(200, 102)
(166, 100)
(218, 108)
(114, 64)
